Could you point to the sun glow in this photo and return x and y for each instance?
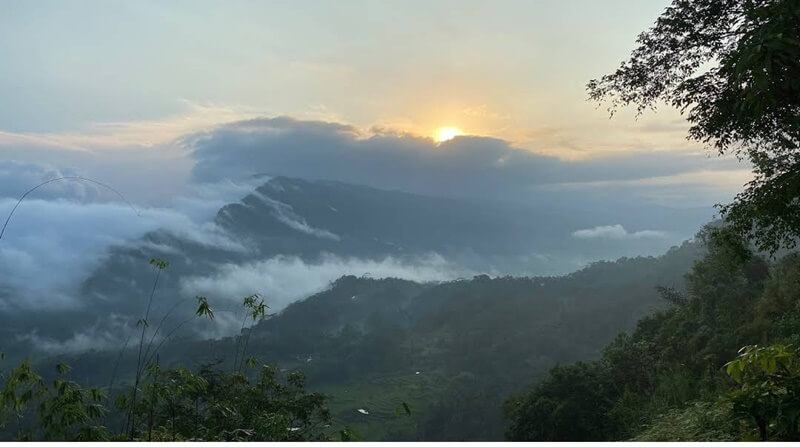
(447, 133)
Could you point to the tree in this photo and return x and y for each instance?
(214, 405)
(565, 406)
(67, 411)
(733, 67)
(210, 405)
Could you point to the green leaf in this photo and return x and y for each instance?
(203, 309)
(159, 263)
(122, 401)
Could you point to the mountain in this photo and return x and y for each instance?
(289, 238)
(452, 351)
(293, 216)
(369, 298)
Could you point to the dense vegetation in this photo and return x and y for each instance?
(416, 358)
(252, 404)
(671, 378)
(210, 405)
(471, 341)
(437, 348)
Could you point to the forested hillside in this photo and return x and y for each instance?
(437, 347)
(721, 363)
(670, 379)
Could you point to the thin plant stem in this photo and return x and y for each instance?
(132, 416)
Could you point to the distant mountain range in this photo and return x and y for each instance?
(306, 218)
(288, 227)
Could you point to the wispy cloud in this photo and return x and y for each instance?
(53, 243)
(284, 279)
(617, 232)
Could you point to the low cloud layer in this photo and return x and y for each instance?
(51, 246)
(112, 334)
(617, 232)
(284, 279)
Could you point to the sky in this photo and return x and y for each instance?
(177, 104)
(500, 68)
(111, 83)
(513, 70)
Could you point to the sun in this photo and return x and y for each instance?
(447, 133)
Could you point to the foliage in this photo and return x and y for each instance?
(666, 380)
(563, 407)
(212, 405)
(255, 310)
(698, 422)
(475, 340)
(22, 386)
(209, 405)
(172, 404)
(734, 67)
(768, 391)
(146, 356)
(67, 411)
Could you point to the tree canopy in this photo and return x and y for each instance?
(681, 375)
(733, 68)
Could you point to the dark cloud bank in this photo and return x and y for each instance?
(466, 166)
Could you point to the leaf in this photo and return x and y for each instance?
(737, 375)
(26, 396)
(122, 401)
(159, 263)
(63, 368)
(203, 309)
(153, 369)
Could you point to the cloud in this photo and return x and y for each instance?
(284, 279)
(17, 177)
(465, 166)
(285, 214)
(140, 174)
(617, 232)
(111, 334)
(51, 246)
